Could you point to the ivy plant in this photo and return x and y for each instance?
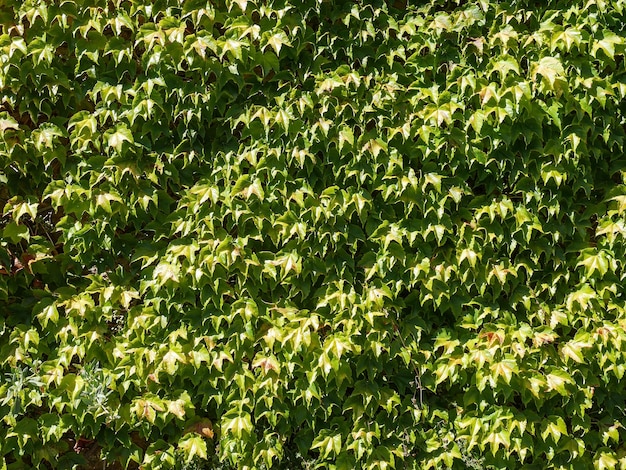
(278, 234)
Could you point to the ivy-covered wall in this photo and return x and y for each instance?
(312, 234)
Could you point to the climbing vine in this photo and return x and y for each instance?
(312, 234)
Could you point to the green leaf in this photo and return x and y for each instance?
(118, 136)
(605, 460)
(504, 66)
(167, 271)
(147, 408)
(170, 361)
(346, 135)
(499, 439)
(104, 201)
(555, 427)
(240, 426)
(16, 232)
(505, 369)
(49, 313)
(607, 44)
(276, 40)
(574, 350)
(193, 446)
(233, 46)
(329, 444)
(558, 380)
(7, 122)
(549, 68)
(593, 262)
(582, 297)
(569, 36)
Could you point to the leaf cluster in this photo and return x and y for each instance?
(312, 234)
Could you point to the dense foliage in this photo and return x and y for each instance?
(312, 234)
